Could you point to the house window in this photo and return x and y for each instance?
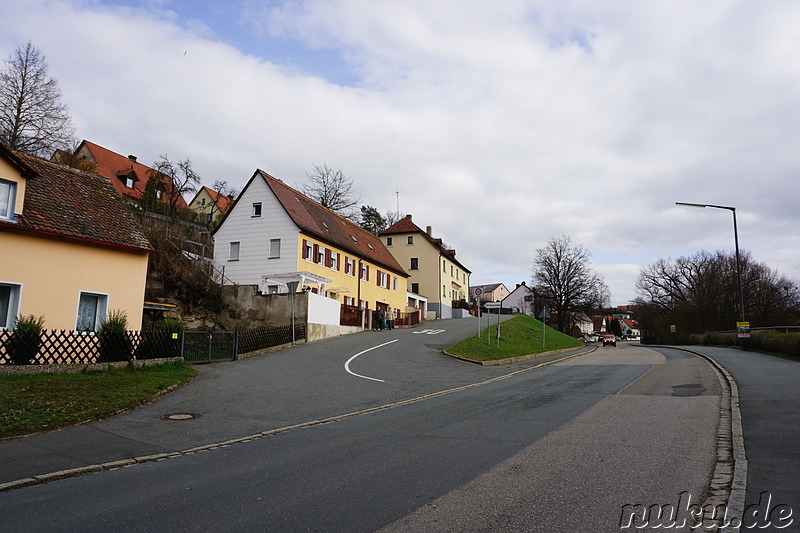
(383, 279)
(129, 182)
(444, 266)
(202, 201)
(257, 209)
(233, 255)
(334, 260)
(414, 263)
(321, 255)
(349, 300)
(364, 272)
(91, 311)
(388, 241)
(394, 281)
(349, 266)
(9, 304)
(410, 239)
(308, 252)
(8, 190)
(274, 248)
(415, 288)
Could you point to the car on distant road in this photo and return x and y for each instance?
(609, 340)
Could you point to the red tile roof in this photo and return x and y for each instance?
(65, 202)
(113, 165)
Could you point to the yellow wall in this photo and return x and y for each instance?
(369, 290)
(9, 173)
(203, 210)
(53, 272)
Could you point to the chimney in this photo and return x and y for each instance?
(408, 217)
(429, 231)
(132, 158)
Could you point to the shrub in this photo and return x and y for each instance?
(26, 339)
(115, 342)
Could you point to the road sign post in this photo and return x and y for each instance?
(543, 316)
(493, 305)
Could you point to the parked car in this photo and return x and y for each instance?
(590, 338)
(609, 340)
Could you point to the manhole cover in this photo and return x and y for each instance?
(179, 416)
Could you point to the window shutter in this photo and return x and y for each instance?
(366, 271)
(328, 254)
(378, 277)
(305, 249)
(316, 253)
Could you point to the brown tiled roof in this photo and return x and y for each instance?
(322, 223)
(113, 165)
(405, 225)
(65, 202)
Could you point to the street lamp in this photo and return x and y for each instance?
(736, 240)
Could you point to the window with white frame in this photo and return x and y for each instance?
(92, 309)
(309, 253)
(388, 241)
(349, 266)
(257, 209)
(274, 248)
(9, 304)
(233, 254)
(364, 272)
(334, 260)
(382, 279)
(394, 281)
(349, 300)
(8, 190)
(414, 263)
(410, 239)
(321, 255)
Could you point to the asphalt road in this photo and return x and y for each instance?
(560, 448)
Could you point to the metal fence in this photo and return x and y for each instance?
(62, 347)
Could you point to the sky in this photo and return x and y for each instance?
(500, 124)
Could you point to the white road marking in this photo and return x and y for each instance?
(347, 364)
(429, 331)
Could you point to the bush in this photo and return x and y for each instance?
(115, 341)
(26, 339)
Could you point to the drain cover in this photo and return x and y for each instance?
(179, 416)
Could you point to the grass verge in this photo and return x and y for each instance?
(31, 403)
(522, 335)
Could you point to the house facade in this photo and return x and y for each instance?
(73, 250)
(521, 300)
(434, 271)
(274, 235)
(491, 292)
(126, 174)
(210, 205)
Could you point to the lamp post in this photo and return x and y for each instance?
(736, 241)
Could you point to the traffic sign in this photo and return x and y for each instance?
(493, 305)
(478, 291)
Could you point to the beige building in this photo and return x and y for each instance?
(210, 205)
(434, 270)
(72, 250)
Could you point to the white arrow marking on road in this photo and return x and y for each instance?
(347, 364)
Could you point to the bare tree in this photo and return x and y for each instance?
(331, 188)
(391, 217)
(223, 190)
(561, 272)
(32, 118)
(176, 179)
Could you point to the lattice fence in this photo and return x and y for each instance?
(63, 347)
(258, 339)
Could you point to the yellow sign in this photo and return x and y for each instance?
(743, 324)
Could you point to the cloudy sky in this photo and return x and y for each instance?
(501, 124)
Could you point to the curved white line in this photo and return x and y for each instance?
(347, 364)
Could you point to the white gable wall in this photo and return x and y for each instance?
(254, 234)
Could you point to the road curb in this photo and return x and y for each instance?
(729, 481)
(123, 463)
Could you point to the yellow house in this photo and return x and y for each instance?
(71, 249)
(273, 235)
(434, 270)
(210, 205)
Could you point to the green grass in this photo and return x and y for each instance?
(522, 335)
(31, 403)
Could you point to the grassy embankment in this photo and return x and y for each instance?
(522, 335)
(31, 403)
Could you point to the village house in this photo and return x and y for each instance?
(273, 235)
(433, 270)
(521, 300)
(126, 174)
(74, 251)
(210, 205)
(491, 292)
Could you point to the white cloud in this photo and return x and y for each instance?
(502, 126)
